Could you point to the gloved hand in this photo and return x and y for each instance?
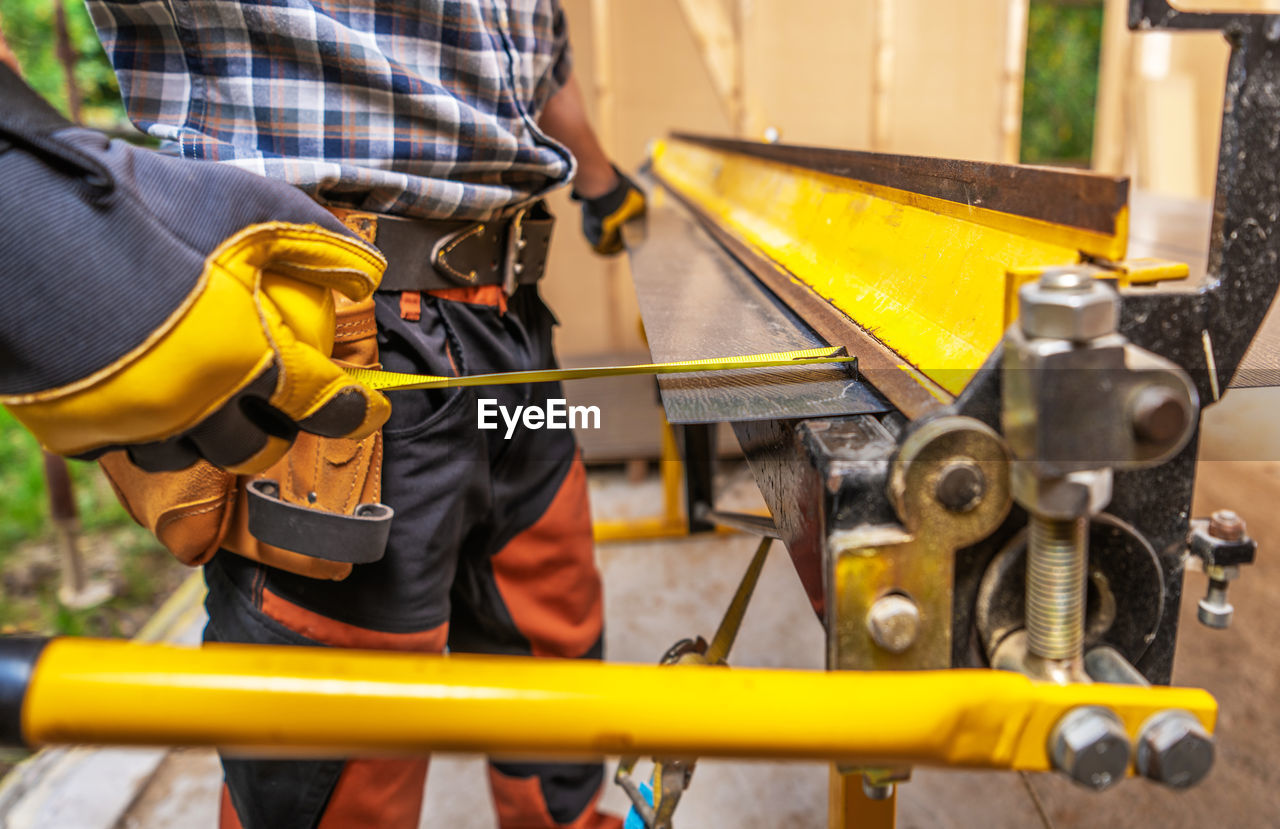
(604, 216)
(177, 309)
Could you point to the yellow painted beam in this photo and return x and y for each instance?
(288, 701)
(924, 275)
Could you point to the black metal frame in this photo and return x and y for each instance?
(821, 476)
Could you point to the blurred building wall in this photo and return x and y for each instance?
(904, 76)
(1158, 121)
(1160, 101)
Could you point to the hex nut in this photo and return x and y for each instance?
(1077, 314)
(1174, 749)
(1078, 493)
(1090, 746)
(894, 622)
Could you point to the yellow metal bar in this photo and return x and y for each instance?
(290, 701)
(925, 275)
(848, 807)
(727, 630)
(672, 475)
(672, 522)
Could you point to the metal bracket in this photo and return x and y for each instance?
(868, 563)
(359, 538)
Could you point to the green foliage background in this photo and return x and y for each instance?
(143, 572)
(30, 31)
(1064, 41)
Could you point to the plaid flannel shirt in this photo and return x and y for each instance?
(421, 108)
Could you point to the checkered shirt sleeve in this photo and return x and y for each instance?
(422, 108)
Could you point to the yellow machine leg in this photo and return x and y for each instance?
(672, 523)
(850, 808)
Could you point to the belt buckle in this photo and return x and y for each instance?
(446, 244)
(515, 247)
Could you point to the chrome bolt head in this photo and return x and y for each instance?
(1215, 611)
(1174, 749)
(1090, 746)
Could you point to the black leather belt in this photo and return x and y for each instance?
(431, 255)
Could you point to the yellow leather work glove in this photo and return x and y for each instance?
(236, 371)
(604, 216)
(154, 304)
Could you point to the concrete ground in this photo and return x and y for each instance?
(658, 592)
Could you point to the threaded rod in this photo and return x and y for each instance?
(1056, 560)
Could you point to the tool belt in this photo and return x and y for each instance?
(316, 512)
(509, 251)
(321, 497)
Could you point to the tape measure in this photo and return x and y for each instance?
(395, 381)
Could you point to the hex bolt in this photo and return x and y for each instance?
(1174, 749)
(960, 486)
(1214, 611)
(894, 622)
(1159, 415)
(1090, 746)
(1057, 556)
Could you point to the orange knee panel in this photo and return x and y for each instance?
(520, 804)
(548, 578)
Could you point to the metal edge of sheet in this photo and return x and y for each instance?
(766, 394)
(907, 389)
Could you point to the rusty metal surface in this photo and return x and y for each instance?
(1090, 201)
(697, 302)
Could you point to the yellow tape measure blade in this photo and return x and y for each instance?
(394, 381)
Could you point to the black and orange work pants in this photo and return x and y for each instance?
(490, 552)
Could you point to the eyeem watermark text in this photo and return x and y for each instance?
(557, 414)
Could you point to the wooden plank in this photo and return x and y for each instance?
(1015, 60)
(713, 31)
(1111, 134)
(881, 74)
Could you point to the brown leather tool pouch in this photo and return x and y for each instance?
(196, 511)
